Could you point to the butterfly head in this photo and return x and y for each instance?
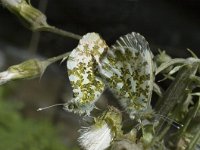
(77, 108)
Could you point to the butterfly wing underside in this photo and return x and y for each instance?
(128, 72)
(87, 87)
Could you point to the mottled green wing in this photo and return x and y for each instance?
(81, 65)
(128, 71)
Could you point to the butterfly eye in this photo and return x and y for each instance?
(72, 106)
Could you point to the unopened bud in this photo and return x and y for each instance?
(31, 17)
(29, 69)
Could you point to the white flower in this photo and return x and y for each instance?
(95, 137)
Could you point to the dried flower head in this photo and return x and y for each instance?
(105, 128)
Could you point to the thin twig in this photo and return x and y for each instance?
(35, 37)
(60, 32)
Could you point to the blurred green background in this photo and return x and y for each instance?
(18, 132)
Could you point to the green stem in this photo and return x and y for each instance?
(47, 62)
(56, 58)
(60, 32)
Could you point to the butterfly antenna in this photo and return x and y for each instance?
(43, 108)
(171, 121)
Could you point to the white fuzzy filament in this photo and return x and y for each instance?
(95, 138)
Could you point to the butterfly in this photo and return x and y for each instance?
(128, 70)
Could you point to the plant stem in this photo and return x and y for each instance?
(59, 57)
(35, 37)
(60, 32)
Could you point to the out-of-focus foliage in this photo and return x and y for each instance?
(17, 133)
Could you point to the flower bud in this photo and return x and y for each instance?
(25, 70)
(31, 17)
